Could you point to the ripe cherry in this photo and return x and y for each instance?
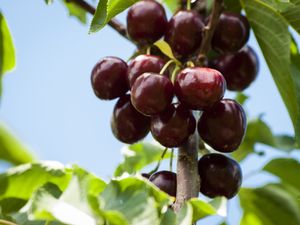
(165, 181)
(239, 69)
(146, 22)
(223, 126)
(127, 124)
(152, 93)
(199, 88)
(143, 64)
(220, 176)
(184, 32)
(109, 78)
(231, 34)
(173, 127)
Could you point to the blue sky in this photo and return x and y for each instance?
(48, 101)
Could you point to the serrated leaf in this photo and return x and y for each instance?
(220, 205)
(139, 155)
(287, 170)
(165, 48)
(31, 177)
(106, 10)
(76, 11)
(268, 205)
(185, 215)
(271, 31)
(11, 149)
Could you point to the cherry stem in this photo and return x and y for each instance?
(5, 222)
(163, 70)
(114, 23)
(148, 51)
(158, 163)
(188, 5)
(209, 30)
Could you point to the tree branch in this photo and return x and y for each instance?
(208, 32)
(188, 180)
(114, 23)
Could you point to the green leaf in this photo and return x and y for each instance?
(268, 205)
(201, 209)
(106, 10)
(172, 5)
(232, 6)
(137, 199)
(271, 31)
(31, 177)
(287, 170)
(165, 48)
(185, 215)
(76, 11)
(259, 132)
(11, 149)
(241, 98)
(139, 155)
(7, 50)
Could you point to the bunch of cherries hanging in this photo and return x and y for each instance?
(161, 100)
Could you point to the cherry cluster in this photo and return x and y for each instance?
(163, 104)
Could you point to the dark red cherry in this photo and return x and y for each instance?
(146, 22)
(173, 127)
(199, 88)
(165, 181)
(143, 64)
(220, 176)
(239, 69)
(109, 78)
(184, 33)
(223, 126)
(127, 124)
(231, 34)
(152, 93)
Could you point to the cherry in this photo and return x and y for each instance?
(109, 78)
(231, 34)
(223, 126)
(173, 127)
(220, 176)
(146, 22)
(165, 181)
(127, 124)
(239, 69)
(184, 32)
(143, 64)
(152, 93)
(199, 88)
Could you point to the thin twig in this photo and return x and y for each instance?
(114, 23)
(208, 32)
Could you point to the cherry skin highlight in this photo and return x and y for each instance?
(127, 124)
(239, 69)
(146, 22)
(173, 127)
(219, 175)
(152, 93)
(223, 126)
(199, 88)
(109, 78)
(142, 64)
(231, 34)
(184, 32)
(165, 181)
